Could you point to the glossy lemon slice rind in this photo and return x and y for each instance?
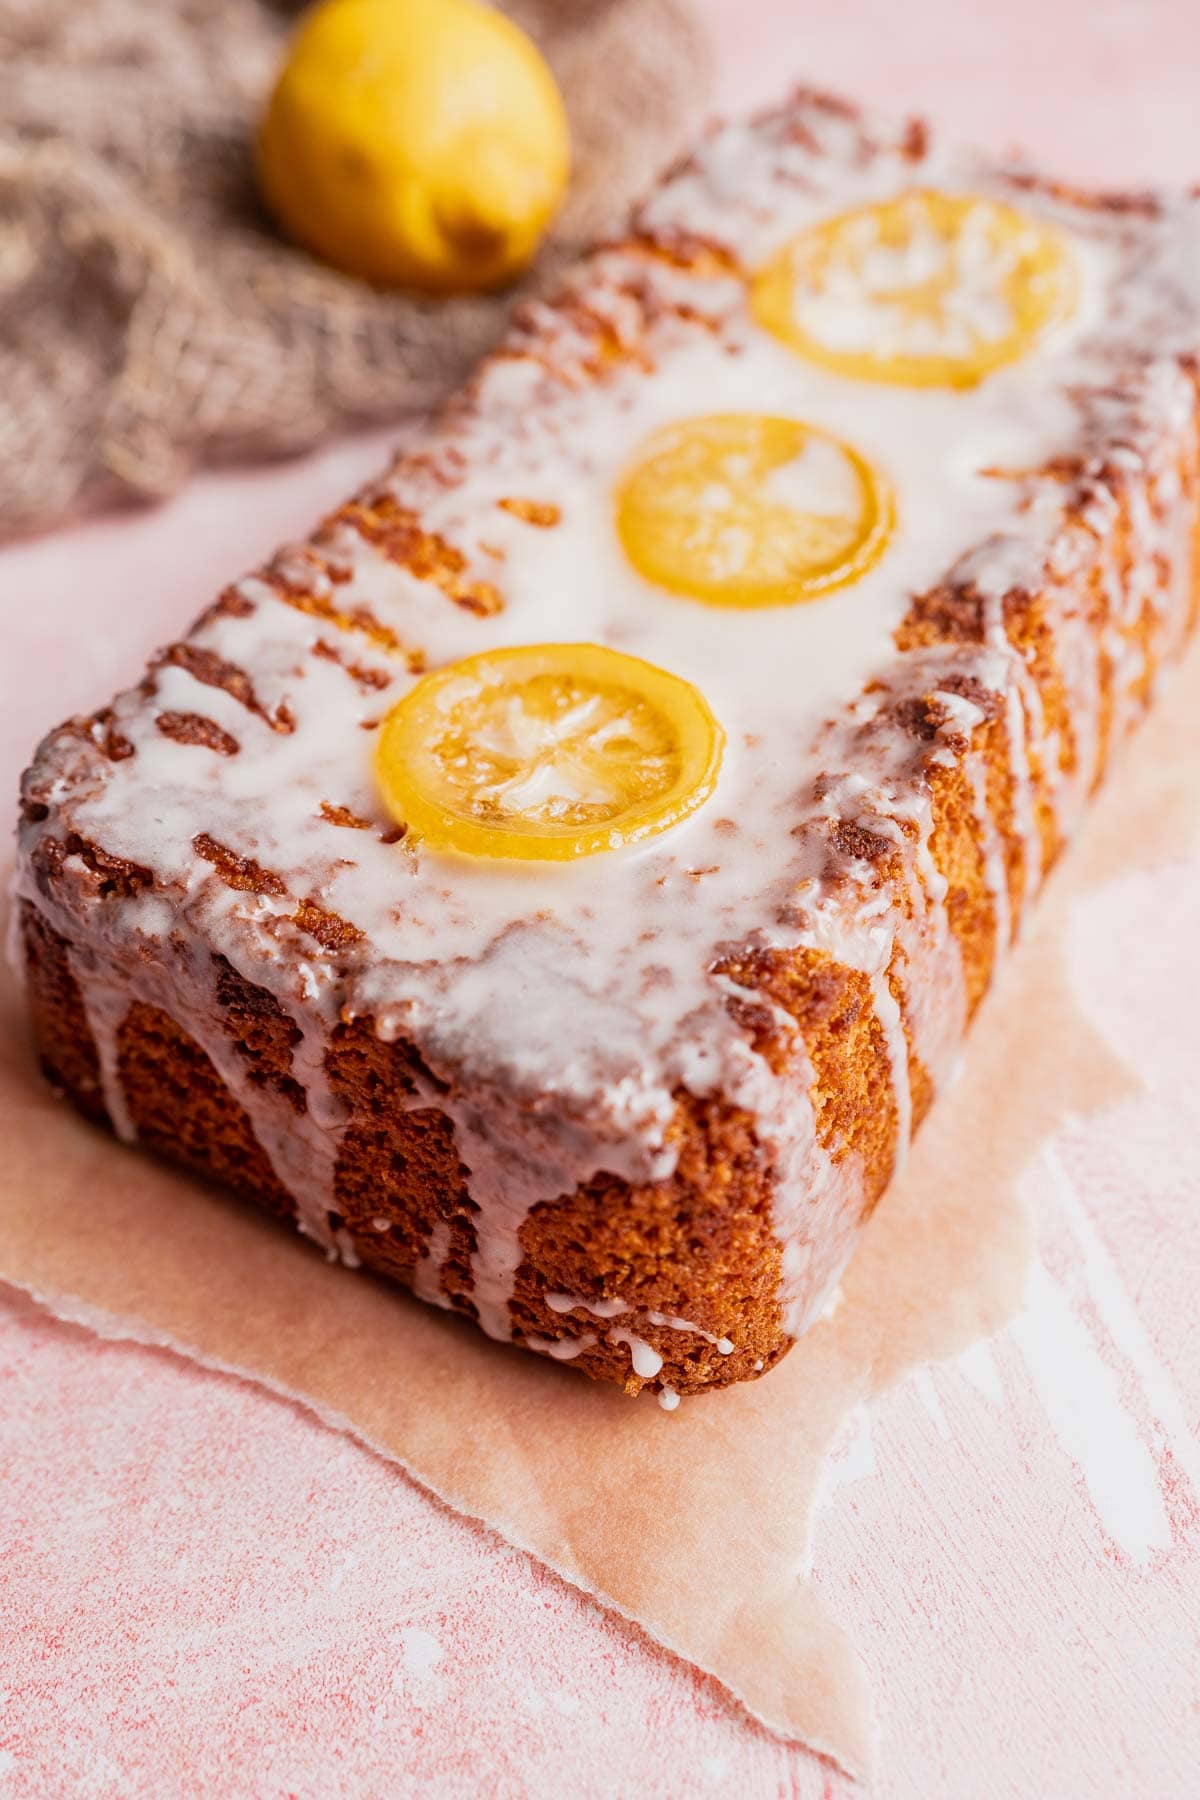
(923, 290)
(547, 752)
(750, 510)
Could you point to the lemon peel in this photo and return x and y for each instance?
(415, 143)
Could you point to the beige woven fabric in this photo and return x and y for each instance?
(150, 318)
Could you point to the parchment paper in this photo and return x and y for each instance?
(694, 1524)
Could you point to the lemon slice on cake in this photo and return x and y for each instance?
(747, 509)
(547, 752)
(924, 290)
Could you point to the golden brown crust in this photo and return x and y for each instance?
(853, 1098)
(182, 1109)
(699, 1245)
(61, 1037)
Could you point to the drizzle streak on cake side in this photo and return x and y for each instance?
(633, 1113)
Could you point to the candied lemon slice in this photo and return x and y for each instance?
(926, 290)
(549, 751)
(744, 509)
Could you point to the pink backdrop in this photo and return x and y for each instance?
(203, 1591)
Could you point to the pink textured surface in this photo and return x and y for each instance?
(203, 1591)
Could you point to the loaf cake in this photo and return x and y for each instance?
(562, 883)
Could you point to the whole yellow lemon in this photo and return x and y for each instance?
(415, 143)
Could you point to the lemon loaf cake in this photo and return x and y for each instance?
(562, 883)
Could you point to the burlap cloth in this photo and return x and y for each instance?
(150, 318)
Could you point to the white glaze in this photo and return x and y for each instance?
(670, 1323)
(601, 1309)
(565, 1034)
(643, 1357)
(106, 1005)
(427, 1276)
(563, 1349)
